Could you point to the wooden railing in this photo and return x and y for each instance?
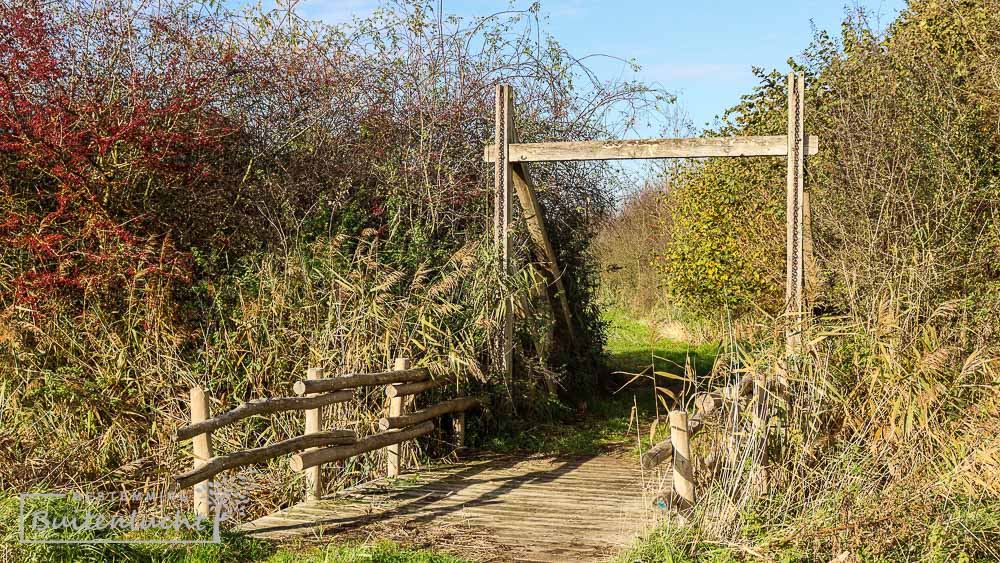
(318, 446)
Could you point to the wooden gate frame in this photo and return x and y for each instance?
(511, 170)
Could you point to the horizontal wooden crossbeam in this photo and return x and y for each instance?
(360, 380)
(776, 145)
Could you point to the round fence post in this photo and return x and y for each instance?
(314, 424)
(395, 409)
(683, 469)
(202, 446)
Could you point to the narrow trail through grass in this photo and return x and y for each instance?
(637, 346)
(616, 424)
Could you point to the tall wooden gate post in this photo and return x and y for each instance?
(795, 204)
(502, 212)
(512, 177)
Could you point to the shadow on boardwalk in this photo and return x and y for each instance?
(550, 508)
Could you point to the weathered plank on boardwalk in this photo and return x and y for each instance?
(545, 509)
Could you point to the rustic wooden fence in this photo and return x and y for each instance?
(317, 446)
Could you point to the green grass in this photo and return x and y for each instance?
(605, 426)
(381, 552)
(635, 347)
(962, 530)
(674, 544)
(233, 548)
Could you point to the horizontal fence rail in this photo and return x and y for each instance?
(257, 455)
(360, 380)
(772, 145)
(375, 442)
(261, 406)
(405, 389)
(446, 407)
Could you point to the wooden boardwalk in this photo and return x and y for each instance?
(496, 508)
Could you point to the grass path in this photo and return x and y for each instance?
(635, 346)
(617, 424)
(382, 552)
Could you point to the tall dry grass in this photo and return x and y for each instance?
(881, 447)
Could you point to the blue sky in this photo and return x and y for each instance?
(701, 51)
